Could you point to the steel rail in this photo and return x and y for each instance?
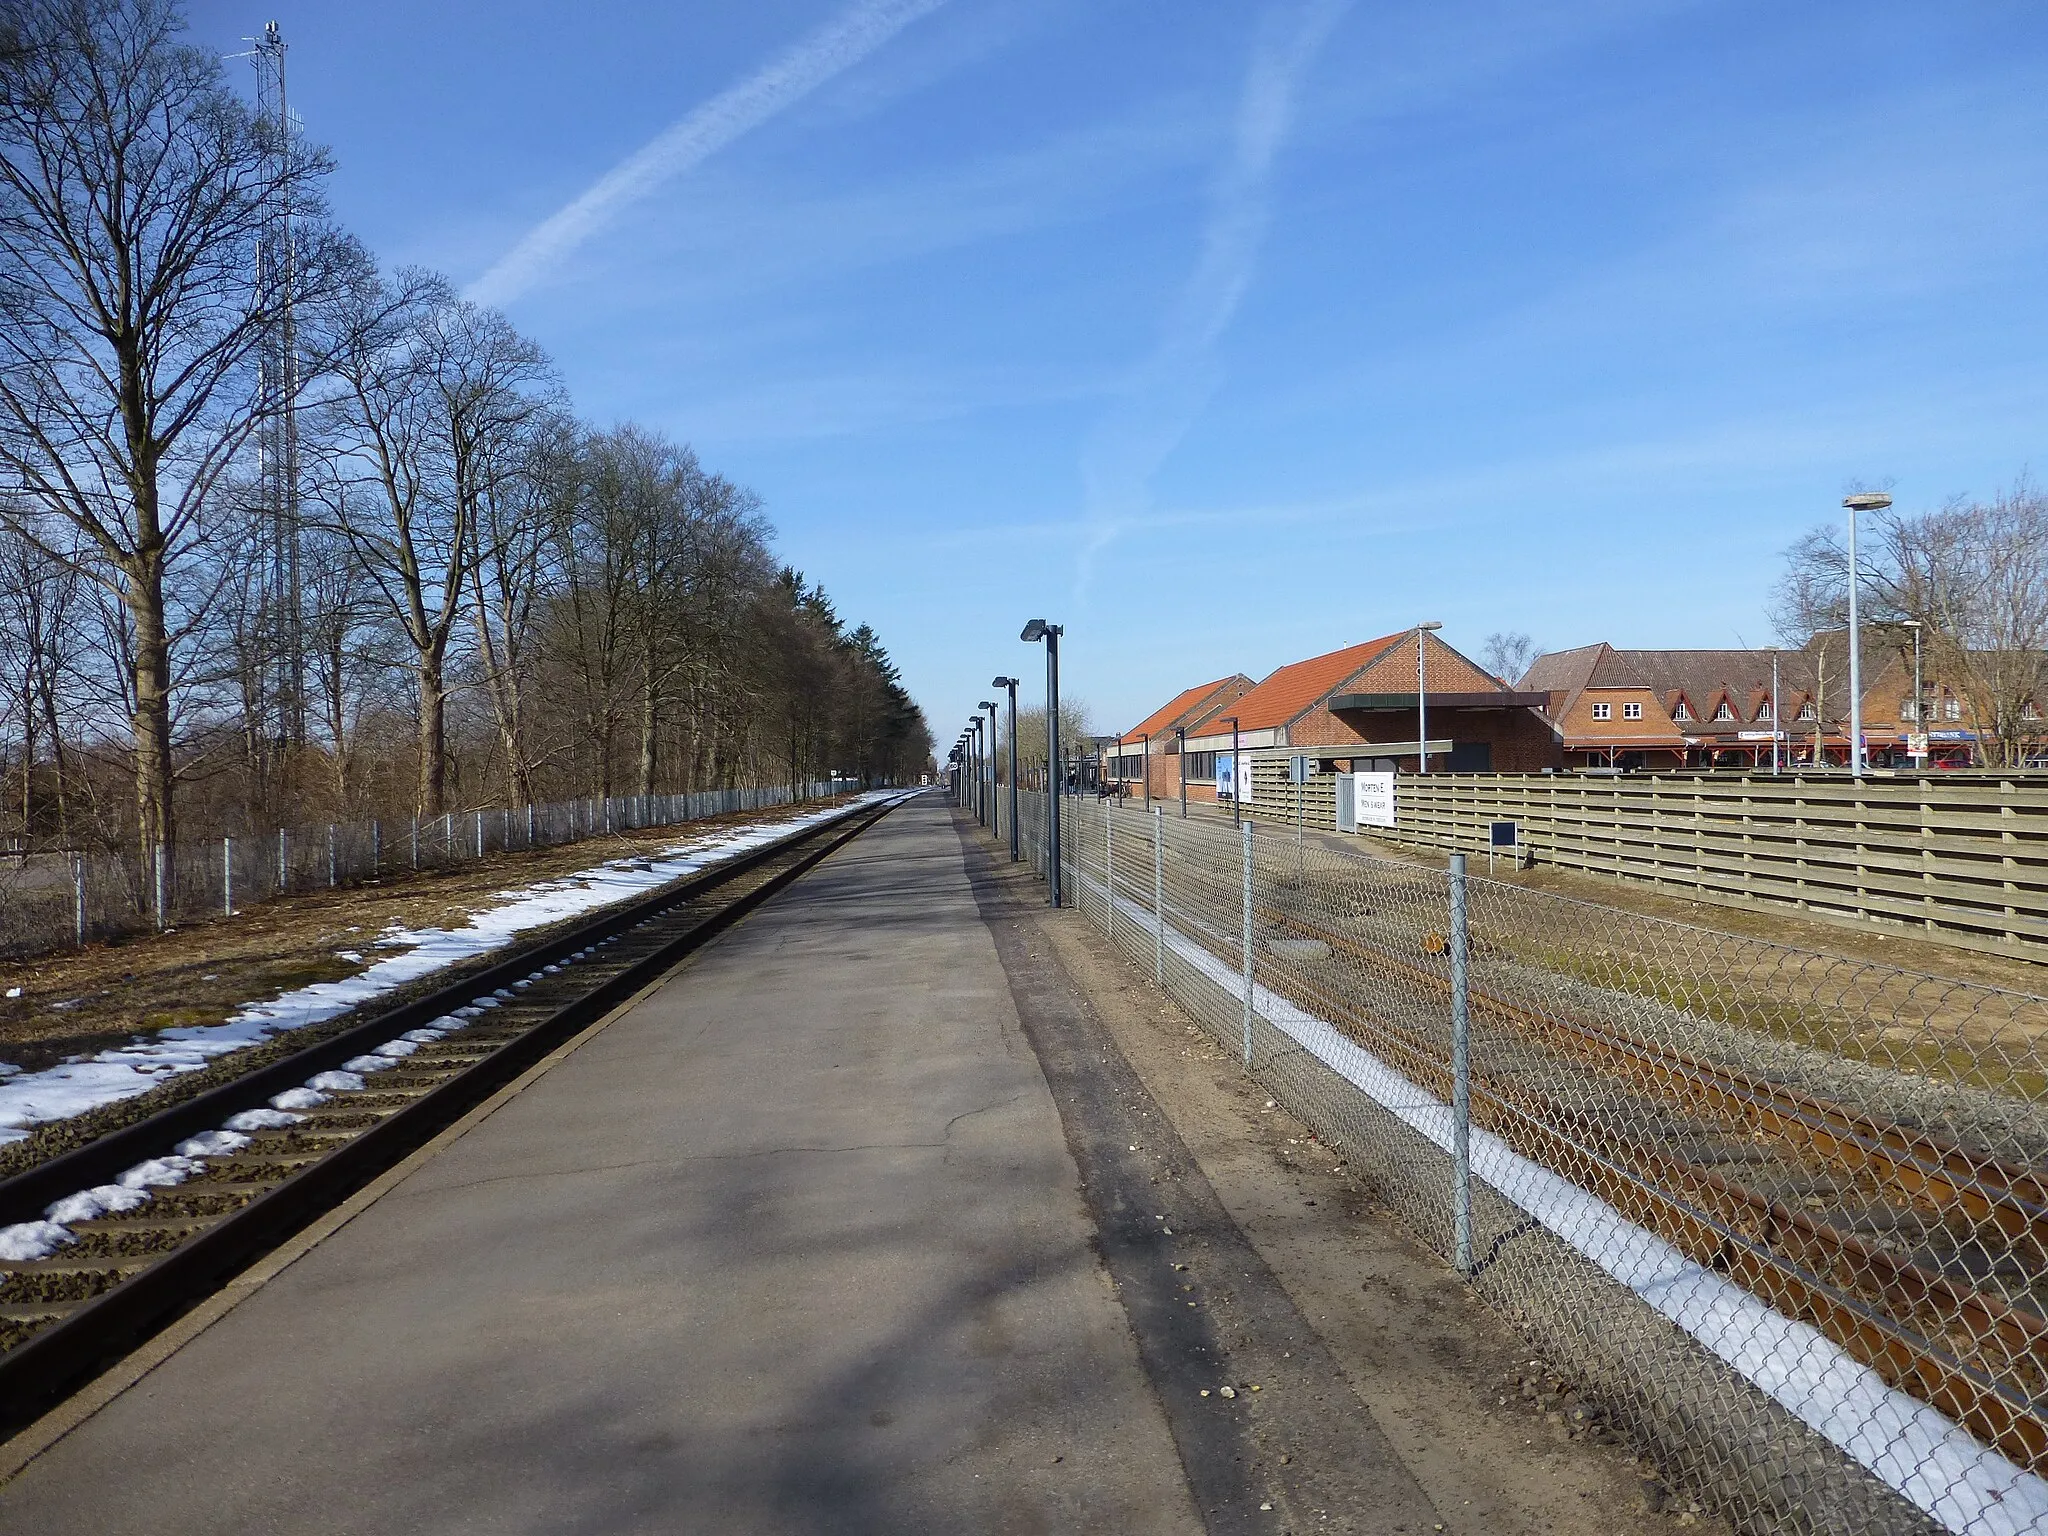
(1648, 1184)
(46, 1367)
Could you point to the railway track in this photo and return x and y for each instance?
(1918, 1255)
(163, 1212)
(1945, 1337)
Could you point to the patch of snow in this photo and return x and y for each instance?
(327, 1082)
(306, 1098)
(14, 991)
(161, 1171)
(424, 1036)
(27, 1240)
(212, 1144)
(348, 954)
(397, 1050)
(364, 1065)
(262, 1120)
(29, 1099)
(100, 1200)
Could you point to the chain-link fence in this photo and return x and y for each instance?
(54, 900)
(1783, 1215)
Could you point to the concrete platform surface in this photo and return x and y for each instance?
(793, 1246)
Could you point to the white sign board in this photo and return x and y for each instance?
(1374, 797)
(1226, 776)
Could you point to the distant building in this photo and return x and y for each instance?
(1151, 748)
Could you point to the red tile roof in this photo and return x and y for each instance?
(1286, 694)
(1182, 707)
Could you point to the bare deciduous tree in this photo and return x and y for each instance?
(133, 191)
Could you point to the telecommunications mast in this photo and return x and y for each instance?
(277, 442)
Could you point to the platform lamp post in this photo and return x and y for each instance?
(1422, 633)
(993, 803)
(1862, 501)
(1034, 632)
(980, 773)
(1146, 738)
(1180, 734)
(1016, 846)
(1919, 700)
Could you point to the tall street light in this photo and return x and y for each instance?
(974, 757)
(1146, 738)
(982, 764)
(1422, 633)
(989, 705)
(1919, 699)
(1034, 632)
(1016, 847)
(1180, 752)
(1774, 710)
(1863, 501)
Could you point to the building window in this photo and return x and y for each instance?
(1909, 709)
(1200, 765)
(1723, 712)
(1951, 708)
(1631, 711)
(1683, 712)
(1808, 712)
(2030, 711)
(1766, 713)
(1603, 711)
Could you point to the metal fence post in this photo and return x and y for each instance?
(227, 876)
(78, 889)
(1247, 944)
(284, 868)
(1108, 871)
(332, 872)
(163, 916)
(529, 826)
(1461, 1074)
(415, 845)
(1159, 894)
(376, 848)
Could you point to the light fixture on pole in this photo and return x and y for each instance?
(1016, 847)
(1862, 501)
(1919, 699)
(1422, 632)
(1034, 632)
(989, 705)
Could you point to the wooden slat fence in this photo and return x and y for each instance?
(1963, 859)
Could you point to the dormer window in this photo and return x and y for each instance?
(1723, 712)
(1631, 711)
(1952, 708)
(1603, 711)
(2030, 711)
(1682, 712)
(1766, 713)
(1808, 712)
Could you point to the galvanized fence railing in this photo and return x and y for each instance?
(1783, 1215)
(52, 901)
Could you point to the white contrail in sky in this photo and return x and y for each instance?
(838, 45)
(1168, 390)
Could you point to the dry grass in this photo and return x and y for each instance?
(84, 1001)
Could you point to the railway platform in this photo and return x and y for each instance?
(793, 1243)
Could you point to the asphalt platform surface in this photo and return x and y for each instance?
(797, 1244)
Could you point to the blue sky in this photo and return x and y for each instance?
(1230, 333)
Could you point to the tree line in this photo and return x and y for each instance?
(437, 588)
(1970, 577)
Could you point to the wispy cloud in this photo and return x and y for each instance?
(833, 48)
(1168, 390)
